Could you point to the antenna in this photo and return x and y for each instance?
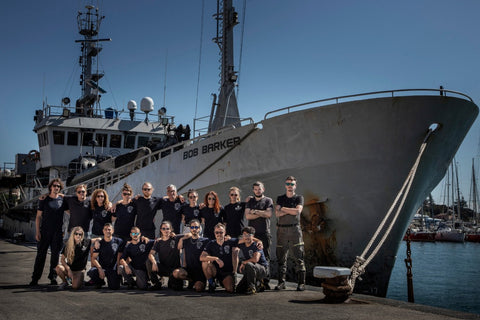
(165, 80)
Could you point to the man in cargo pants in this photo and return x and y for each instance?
(289, 233)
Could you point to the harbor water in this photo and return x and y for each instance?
(445, 275)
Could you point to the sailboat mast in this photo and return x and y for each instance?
(474, 193)
(459, 207)
(226, 111)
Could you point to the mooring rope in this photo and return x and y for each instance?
(361, 262)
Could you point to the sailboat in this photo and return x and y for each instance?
(350, 154)
(473, 234)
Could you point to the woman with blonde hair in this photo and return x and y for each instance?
(74, 259)
(100, 206)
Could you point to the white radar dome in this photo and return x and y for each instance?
(132, 105)
(146, 105)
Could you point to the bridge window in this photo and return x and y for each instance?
(87, 138)
(72, 138)
(129, 141)
(142, 141)
(43, 139)
(115, 141)
(58, 137)
(101, 139)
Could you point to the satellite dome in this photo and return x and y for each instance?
(146, 105)
(132, 105)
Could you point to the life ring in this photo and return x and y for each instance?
(34, 155)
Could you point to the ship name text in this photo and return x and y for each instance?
(211, 147)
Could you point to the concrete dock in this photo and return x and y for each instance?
(19, 301)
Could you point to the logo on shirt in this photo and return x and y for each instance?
(177, 206)
(142, 247)
(104, 213)
(238, 207)
(172, 244)
(129, 209)
(227, 249)
(115, 246)
(198, 244)
(196, 212)
(250, 253)
(84, 248)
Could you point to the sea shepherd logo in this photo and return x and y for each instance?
(211, 147)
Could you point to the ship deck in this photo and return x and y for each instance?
(19, 301)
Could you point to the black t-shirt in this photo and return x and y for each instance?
(224, 252)
(52, 214)
(211, 220)
(138, 253)
(108, 252)
(125, 219)
(249, 251)
(171, 212)
(167, 252)
(101, 216)
(81, 255)
(190, 213)
(146, 211)
(235, 218)
(193, 248)
(80, 213)
(261, 225)
(287, 202)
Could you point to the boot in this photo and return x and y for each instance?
(281, 282)
(301, 280)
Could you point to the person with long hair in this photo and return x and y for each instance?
(191, 210)
(211, 214)
(166, 249)
(100, 206)
(125, 214)
(79, 210)
(48, 227)
(74, 259)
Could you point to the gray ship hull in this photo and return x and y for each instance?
(350, 160)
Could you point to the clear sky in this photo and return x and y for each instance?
(293, 51)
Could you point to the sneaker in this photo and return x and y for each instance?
(266, 286)
(280, 286)
(250, 291)
(33, 283)
(89, 283)
(156, 286)
(211, 287)
(301, 287)
(53, 282)
(63, 286)
(69, 281)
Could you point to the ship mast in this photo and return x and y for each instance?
(88, 27)
(225, 112)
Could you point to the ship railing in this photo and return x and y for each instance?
(203, 122)
(109, 178)
(108, 113)
(368, 95)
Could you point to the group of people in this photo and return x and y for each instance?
(204, 243)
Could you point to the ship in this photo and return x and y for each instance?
(350, 155)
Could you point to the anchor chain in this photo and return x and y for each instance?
(408, 264)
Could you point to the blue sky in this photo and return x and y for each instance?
(293, 51)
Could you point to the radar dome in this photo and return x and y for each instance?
(132, 105)
(146, 105)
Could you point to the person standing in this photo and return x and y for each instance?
(74, 259)
(105, 259)
(125, 213)
(79, 210)
(191, 210)
(171, 206)
(147, 207)
(235, 213)
(101, 213)
(48, 227)
(212, 214)
(134, 258)
(258, 212)
(289, 234)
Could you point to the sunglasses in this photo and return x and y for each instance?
(78, 234)
(219, 232)
(100, 196)
(234, 195)
(81, 191)
(194, 227)
(192, 197)
(126, 194)
(211, 198)
(289, 184)
(147, 189)
(165, 228)
(56, 186)
(135, 233)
